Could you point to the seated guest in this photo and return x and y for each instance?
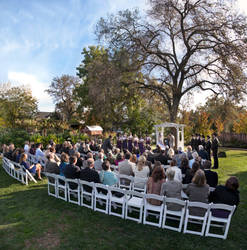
(98, 163)
(202, 153)
(211, 176)
(133, 158)
(184, 166)
(89, 156)
(80, 160)
(157, 149)
(170, 153)
(155, 182)
(32, 149)
(9, 153)
(39, 153)
(51, 166)
(227, 194)
(195, 158)
(189, 153)
(72, 171)
(110, 158)
(64, 163)
(53, 152)
(89, 174)
(119, 159)
(190, 174)
(33, 169)
(171, 188)
(26, 147)
(107, 177)
(178, 173)
(126, 167)
(198, 190)
(141, 171)
(162, 157)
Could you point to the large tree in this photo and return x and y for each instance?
(181, 46)
(62, 90)
(16, 105)
(107, 94)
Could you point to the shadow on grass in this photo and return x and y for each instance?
(32, 219)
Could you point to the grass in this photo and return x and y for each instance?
(30, 219)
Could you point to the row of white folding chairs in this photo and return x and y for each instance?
(107, 199)
(17, 171)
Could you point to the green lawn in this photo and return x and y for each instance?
(30, 219)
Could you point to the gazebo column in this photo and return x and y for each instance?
(177, 144)
(157, 136)
(183, 137)
(162, 135)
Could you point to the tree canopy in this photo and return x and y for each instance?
(16, 105)
(180, 46)
(62, 90)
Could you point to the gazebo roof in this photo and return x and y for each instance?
(169, 125)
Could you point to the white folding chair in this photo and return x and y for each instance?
(101, 197)
(87, 193)
(195, 219)
(73, 189)
(154, 210)
(52, 184)
(61, 187)
(134, 202)
(139, 184)
(117, 199)
(125, 181)
(175, 213)
(221, 222)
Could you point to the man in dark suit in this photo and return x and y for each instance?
(215, 145)
(88, 173)
(208, 146)
(72, 171)
(211, 176)
(107, 144)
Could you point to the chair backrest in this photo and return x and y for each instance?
(125, 181)
(139, 184)
(135, 194)
(87, 186)
(174, 200)
(227, 209)
(72, 183)
(101, 188)
(157, 197)
(115, 191)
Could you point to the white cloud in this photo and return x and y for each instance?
(37, 87)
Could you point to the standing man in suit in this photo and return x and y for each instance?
(107, 144)
(215, 145)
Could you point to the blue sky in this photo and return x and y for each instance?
(42, 39)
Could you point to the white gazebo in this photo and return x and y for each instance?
(179, 136)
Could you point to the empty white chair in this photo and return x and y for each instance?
(195, 219)
(125, 181)
(154, 210)
(139, 184)
(117, 200)
(52, 184)
(101, 197)
(172, 214)
(222, 222)
(87, 193)
(134, 202)
(73, 189)
(61, 187)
